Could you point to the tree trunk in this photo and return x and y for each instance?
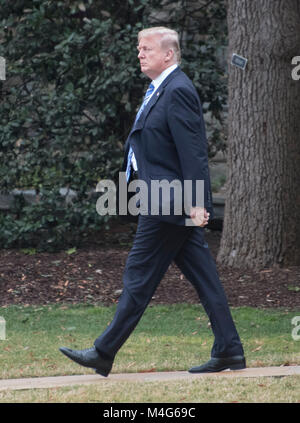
(262, 210)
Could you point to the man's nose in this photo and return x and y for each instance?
(141, 54)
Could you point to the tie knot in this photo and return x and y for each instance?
(150, 90)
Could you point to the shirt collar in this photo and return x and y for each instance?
(157, 81)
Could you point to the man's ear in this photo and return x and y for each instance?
(169, 55)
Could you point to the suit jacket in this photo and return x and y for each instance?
(169, 143)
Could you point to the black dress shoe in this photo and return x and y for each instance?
(215, 364)
(89, 358)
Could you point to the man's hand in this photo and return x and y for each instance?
(199, 216)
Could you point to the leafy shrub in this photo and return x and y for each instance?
(72, 90)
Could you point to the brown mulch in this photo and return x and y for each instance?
(93, 274)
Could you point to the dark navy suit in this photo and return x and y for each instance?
(169, 142)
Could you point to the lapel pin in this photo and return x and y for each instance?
(157, 94)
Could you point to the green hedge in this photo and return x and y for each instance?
(72, 89)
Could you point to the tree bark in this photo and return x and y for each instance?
(262, 210)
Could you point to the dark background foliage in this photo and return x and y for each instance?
(72, 90)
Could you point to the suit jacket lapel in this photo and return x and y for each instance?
(140, 123)
(157, 94)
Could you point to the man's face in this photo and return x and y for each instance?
(153, 59)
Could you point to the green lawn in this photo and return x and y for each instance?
(214, 389)
(167, 338)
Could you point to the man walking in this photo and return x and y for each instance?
(167, 142)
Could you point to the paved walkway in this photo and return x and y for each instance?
(57, 381)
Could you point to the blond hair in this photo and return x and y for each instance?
(169, 38)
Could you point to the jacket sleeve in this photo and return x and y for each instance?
(187, 127)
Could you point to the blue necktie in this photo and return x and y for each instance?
(130, 153)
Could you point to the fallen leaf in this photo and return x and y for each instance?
(256, 349)
(148, 371)
(71, 250)
(130, 364)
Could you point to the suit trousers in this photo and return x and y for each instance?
(155, 246)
